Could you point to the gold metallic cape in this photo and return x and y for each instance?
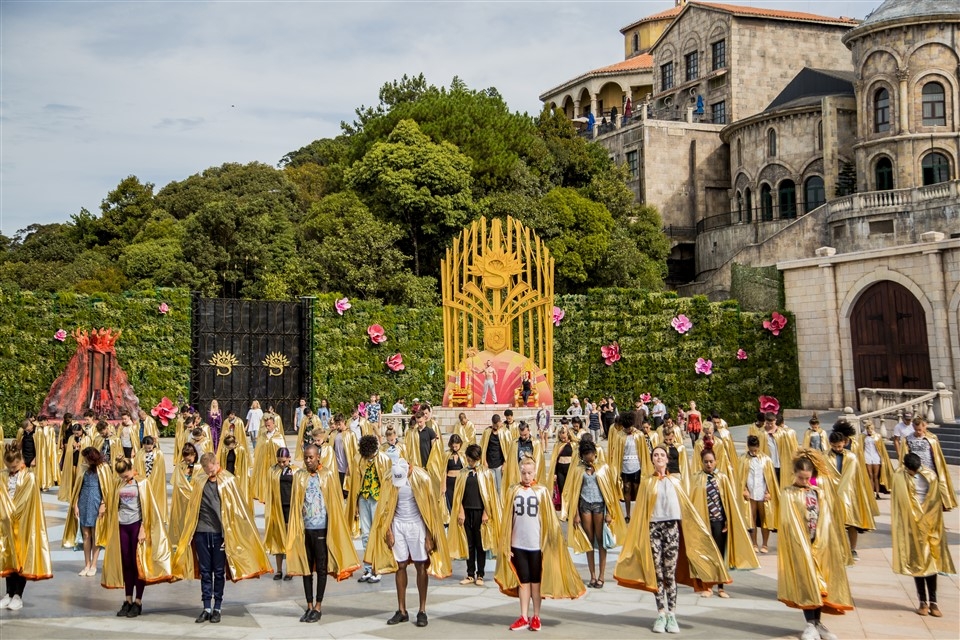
(182, 489)
(149, 429)
(467, 433)
(739, 553)
(68, 475)
(919, 537)
(511, 465)
(380, 555)
(698, 558)
(943, 473)
(46, 467)
(560, 578)
(771, 508)
(306, 425)
(505, 437)
(351, 448)
(116, 449)
(787, 446)
(646, 452)
(275, 528)
(107, 477)
(607, 482)
(824, 440)
(264, 458)
(723, 433)
(355, 482)
(157, 478)
(241, 470)
(616, 446)
(24, 546)
(434, 465)
(238, 432)
(552, 469)
(489, 530)
(812, 574)
(246, 557)
(850, 491)
(153, 554)
(725, 464)
(885, 469)
(342, 558)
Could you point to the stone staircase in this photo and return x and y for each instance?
(949, 437)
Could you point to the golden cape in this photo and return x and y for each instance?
(607, 482)
(157, 478)
(943, 473)
(851, 491)
(45, 465)
(787, 445)
(505, 437)
(554, 458)
(351, 448)
(246, 557)
(919, 537)
(771, 508)
(182, 489)
(241, 470)
(723, 433)
(116, 449)
(153, 554)
(824, 439)
(183, 436)
(24, 546)
(511, 465)
(885, 469)
(107, 477)
(355, 482)
(264, 458)
(307, 425)
(237, 432)
(725, 464)
(489, 530)
(68, 474)
(812, 574)
(342, 558)
(150, 429)
(379, 555)
(645, 451)
(698, 558)
(739, 553)
(275, 527)
(467, 433)
(616, 446)
(434, 465)
(560, 577)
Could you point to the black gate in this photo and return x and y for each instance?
(246, 350)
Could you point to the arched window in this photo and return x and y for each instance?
(883, 172)
(748, 204)
(820, 136)
(766, 203)
(739, 206)
(739, 152)
(934, 105)
(881, 111)
(772, 143)
(814, 194)
(787, 196)
(636, 42)
(936, 168)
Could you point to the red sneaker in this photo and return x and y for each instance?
(535, 623)
(521, 624)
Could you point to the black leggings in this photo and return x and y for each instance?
(315, 541)
(16, 584)
(476, 556)
(926, 588)
(812, 615)
(528, 564)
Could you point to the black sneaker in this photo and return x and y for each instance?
(203, 617)
(124, 610)
(135, 610)
(399, 617)
(314, 616)
(215, 616)
(422, 619)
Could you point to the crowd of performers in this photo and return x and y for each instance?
(679, 515)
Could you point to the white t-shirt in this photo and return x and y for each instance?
(902, 430)
(631, 461)
(407, 510)
(526, 520)
(254, 416)
(774, 450)
(923, 487)
(667, 505)
(756, 483)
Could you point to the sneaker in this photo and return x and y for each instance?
(398, 618)
(373, 578)
(5, 601)
(660, 625)
(535, 623)
(365, 577)
(468, 580)
(672, 626)
(421, 618)
(824, 633)
(16, 604)
(215, 616)
(856, 557)
(124, 610)
(479, 581)
(935, 610)
(810, 632)
(520, 624)
(135, 610)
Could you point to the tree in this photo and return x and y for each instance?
(422, 185)
(637, 256)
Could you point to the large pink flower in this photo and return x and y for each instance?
(165, 411)
(775, 324)
(704, 366)
(395, 362)
(376, 333)
(645, 398)
(362, 409)
(342, 305)
(681, 323)
(611, 353)
(741, 354)
(164, 308)
(60, 335)
(769, 404)
(558, 315)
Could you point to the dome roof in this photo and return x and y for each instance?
(896, 10)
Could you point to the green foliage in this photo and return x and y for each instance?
(577, 231)
(757, 288)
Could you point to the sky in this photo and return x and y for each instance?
(91, 92)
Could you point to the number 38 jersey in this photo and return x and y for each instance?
(526, 520)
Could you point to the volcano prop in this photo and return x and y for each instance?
(92, 380)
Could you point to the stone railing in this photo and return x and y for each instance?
(895, 199)
(936, 407)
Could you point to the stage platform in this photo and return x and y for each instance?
(479, 415)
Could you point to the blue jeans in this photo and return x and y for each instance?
(212, 559)
(367, 507)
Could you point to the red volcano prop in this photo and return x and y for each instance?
(92, 380)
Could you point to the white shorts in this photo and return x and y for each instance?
(409, 541)
(870, 456)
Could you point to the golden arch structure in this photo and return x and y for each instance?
(497, 288)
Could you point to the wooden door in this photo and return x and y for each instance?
(889, 334)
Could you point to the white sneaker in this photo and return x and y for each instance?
(824, 633)
(5, 602)
(16, 604)
(810, 632)
(672, 626)
(660, 625)
(373, 578)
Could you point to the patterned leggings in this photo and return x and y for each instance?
(665, 543)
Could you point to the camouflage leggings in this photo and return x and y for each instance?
(665, 543)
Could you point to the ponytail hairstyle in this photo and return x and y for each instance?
(810, 460)
(11, 452)
(122, 466)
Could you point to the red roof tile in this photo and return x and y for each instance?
(760, 12)
(667, 13)
(642, 61)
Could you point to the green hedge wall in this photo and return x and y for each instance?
(155, 349)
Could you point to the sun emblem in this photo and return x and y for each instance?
(276, 361)
(224, 361)
(495, 267)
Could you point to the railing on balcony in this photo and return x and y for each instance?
(675, 232)
(894, 198)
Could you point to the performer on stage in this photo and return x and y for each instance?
(24, 547)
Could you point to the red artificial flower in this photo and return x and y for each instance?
(769, 404)
(165, 411)
(645, 398)
(377, 334)
(741, 354)
(703, 366)
(611, 353)
(395, 362)
(775, 324)
(164, 308)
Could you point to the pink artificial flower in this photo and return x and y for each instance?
(741, 354)
(376, 333)
(164, 308)
(165, 411)
(645, 398)
(775, 324)
(395, 362)
(558, 315)
(769, 404)
(60, 335)
(611, 353)
(681, 323)
(362, 409)
(704, 366)
(342, 305)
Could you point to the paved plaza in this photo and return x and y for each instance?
(69, 606)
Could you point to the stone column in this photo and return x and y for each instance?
(834, 352)
(831, 163)
(903, 106)
(576, 108)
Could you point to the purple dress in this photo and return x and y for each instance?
(215, 420)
